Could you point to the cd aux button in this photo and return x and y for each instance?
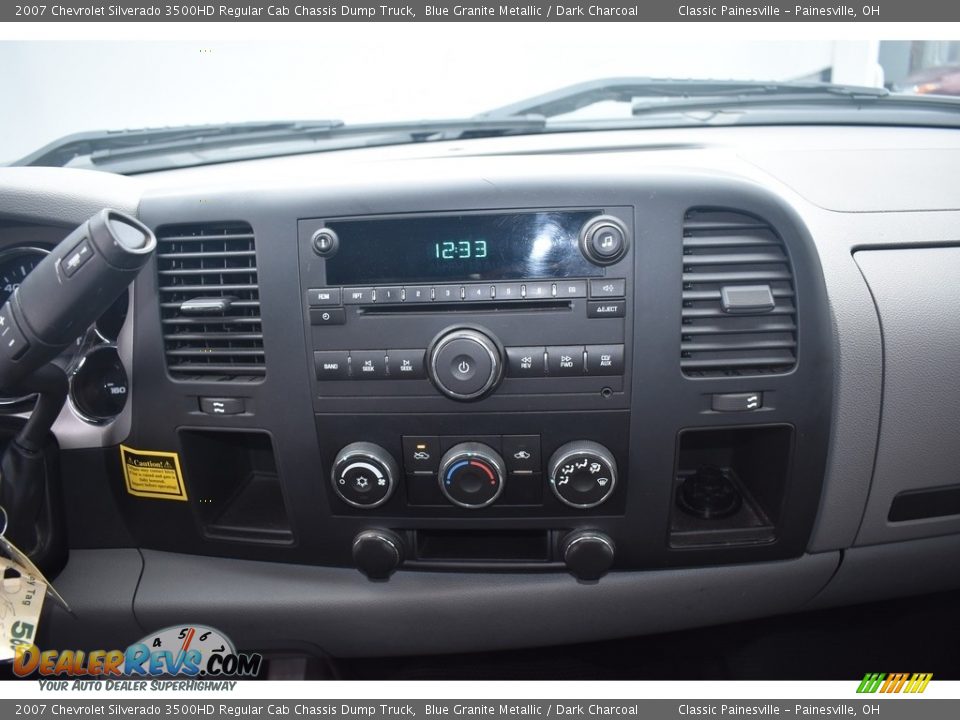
(604, 359)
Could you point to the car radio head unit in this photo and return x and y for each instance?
(472, 246)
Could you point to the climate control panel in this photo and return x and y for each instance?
(525, 474)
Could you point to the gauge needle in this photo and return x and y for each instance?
(186, 645)
(186, 640)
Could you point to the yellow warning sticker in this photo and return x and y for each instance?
(152, 474)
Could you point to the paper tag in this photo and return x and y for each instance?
(152, 474)
(21, 600)
(20, 559)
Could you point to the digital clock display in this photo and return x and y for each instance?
(468, 247)
(460, 249)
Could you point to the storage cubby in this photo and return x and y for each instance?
(233, 483)
(730, 485)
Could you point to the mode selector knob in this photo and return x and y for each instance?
(582, 474)
(465, 364)
(364, 475)
(471, 475)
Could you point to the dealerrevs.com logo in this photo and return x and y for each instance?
(192, 651)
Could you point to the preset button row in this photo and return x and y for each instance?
(473, 292)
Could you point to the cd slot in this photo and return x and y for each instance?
(485, 306)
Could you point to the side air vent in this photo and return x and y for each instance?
(210, 302)
(739, 316)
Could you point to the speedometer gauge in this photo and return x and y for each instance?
(15, 265)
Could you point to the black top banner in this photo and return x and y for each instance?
(476, 11)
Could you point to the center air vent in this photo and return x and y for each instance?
(210, 301)
(739, 314)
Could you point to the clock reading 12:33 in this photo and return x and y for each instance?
(460, 250)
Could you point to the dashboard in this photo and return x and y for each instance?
(665, 379)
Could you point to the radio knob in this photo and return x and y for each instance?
(603, 240)
(471, 475)
(582, 474)
(364, 475)
(465, 364)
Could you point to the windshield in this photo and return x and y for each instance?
(378, 74)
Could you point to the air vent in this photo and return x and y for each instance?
(210, 302)
(739, 316)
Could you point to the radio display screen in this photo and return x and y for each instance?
(460, 247)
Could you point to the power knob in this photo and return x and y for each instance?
(364, 475)
(465, 364)
(588, 554)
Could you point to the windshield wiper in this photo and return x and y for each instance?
(129, 147)
(671, 92)
(60, 152)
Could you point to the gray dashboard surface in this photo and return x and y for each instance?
(59, 196)
(272, 606)
(915, 291)
(878, 572)
(99, 586)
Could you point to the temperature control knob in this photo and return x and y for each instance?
(364, 475)
(582, 474)
(471, 475)
(465, 364)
